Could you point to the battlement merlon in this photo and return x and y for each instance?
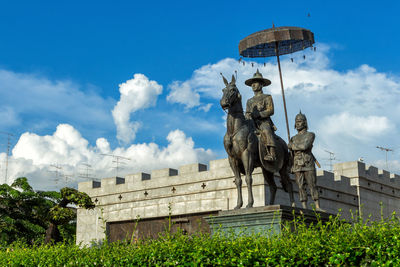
(326, 179)
(356, 171)
(351, 169)
(130, 181)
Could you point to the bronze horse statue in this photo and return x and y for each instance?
(243, 147)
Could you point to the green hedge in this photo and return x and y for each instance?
(333, 243)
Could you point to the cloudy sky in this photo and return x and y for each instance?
(80, 81)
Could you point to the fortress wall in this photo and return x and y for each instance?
(378, 190)
(194, 189)
(336, 194)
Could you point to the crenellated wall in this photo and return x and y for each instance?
(193, 189)
(374, 187)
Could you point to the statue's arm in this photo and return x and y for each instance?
(247, 115)
(269, 108)
(304, 144)
(290, 144)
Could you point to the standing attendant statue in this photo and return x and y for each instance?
(304, 161)
(260, 108)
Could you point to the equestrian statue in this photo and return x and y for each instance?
(250, 139)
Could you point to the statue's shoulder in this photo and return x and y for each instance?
(251, 100)
(264, 96)
(310, 134)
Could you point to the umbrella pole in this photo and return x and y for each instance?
(283, 91)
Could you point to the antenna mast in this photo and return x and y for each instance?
(57, 170)
(117, 160)
(386, 151)
(67, 178)
(331, 159)
(8, 153)
(86, 174)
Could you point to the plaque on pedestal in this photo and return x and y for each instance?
(267, 220)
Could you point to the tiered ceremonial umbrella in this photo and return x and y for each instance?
(276, 41)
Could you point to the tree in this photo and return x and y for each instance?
(25, 214)
(22, 212)
(60, 214)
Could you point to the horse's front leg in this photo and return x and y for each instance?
(248, 165)
(238, 181)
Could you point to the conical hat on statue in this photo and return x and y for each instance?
(257, 77)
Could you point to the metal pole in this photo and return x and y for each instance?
(386, 160)
(283, 91)
(8, 153)
(386, 151)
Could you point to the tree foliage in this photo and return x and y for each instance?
(25, 214)
(22, 212)
(60, 214)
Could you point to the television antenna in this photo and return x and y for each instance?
(8, 153)
(386, 152)
(331, 159)
(86, 173)
(118, 160)
(57, 170)
(67, 178)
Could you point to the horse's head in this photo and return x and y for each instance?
(230, 94)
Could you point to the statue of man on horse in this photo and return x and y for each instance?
(260, 108)
(250, 141)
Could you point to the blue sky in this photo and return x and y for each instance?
(141, 80)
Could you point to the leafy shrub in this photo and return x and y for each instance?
(333, 243)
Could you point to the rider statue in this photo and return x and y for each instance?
(304, 161)
(260, 108)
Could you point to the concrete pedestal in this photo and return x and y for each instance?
(266, 220)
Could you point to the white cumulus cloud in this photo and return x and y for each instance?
(182, 93)
(65, 145)
(137, 93)
(359, 127)
(103, 145)
(48, 159)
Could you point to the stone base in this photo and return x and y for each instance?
(266, 220)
